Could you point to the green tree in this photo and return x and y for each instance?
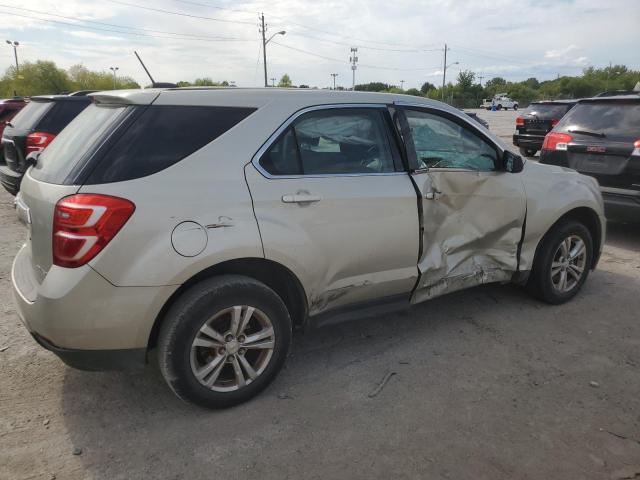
(427, 87)
(466, 79)
(39, 78)
(414, 91)
(285, 81)
(373, 87)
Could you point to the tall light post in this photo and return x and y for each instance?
(334, 75)
(263, 30)
(273, 81)
(444, 74)
(402, 85)
(114, 70)
(15, 46)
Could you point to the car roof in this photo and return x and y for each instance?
(259, 97)
(556, 102)
(615, 98)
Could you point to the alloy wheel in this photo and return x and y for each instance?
(569, 262)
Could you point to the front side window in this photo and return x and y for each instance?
(443, 143)
(333, 142)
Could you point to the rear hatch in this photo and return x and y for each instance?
(540, 118)
(600, 135)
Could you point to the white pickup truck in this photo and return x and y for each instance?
(500, 100)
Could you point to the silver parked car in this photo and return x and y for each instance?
(207, 224)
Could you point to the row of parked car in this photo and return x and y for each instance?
(597, 136)
(201, 226)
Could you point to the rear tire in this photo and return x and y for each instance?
(223, 341)
(515, 107)
(499, 107)
(562, 263)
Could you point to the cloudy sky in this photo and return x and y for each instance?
(396, 40)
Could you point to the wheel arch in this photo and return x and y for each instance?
(275, 275)
(589, 218)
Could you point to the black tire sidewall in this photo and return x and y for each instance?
(542, 269)
(184, 320)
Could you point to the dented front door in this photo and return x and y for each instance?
(472, 213)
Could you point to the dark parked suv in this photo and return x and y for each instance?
(536, 121)
(32, 130)
(600, 137)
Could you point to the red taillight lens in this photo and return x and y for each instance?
(554, 122)
(84, 224)
(636, 148)
(556, 141)
(519, 121)
(38, 141)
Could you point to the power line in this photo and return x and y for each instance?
(212, 37)
(216, 7)
(181, 14)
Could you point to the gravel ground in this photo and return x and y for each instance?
(488, 384)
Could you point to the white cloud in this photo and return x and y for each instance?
(92, 35)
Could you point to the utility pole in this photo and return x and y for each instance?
(480, 77)
(353, 59)
(114, 70)
(273, 81)
(402, 85)
(334, 75)
(263, 30)
(444, 72)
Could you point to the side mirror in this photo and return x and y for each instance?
(31, 160)
(511, 162)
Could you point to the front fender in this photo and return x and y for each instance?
(552, 192)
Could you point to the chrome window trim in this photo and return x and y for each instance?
(255, 160)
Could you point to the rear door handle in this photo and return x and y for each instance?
(300, 198)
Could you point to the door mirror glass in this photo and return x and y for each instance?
(511, 162)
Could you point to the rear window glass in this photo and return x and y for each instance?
(60, 115)
(546, 111)
(30, 114)
(162, 136)
(63, 154)
(614, 119)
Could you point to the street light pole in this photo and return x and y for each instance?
(114, 70)
(263, 30)
(15, 46)
(334, 75)
(444, 72)
(402, 85)
(273, 81)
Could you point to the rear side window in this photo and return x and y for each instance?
(546, 111)
(60, 115)
(616, 119)
(162, 136)
(30, 114)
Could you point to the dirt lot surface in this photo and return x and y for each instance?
(487, 384)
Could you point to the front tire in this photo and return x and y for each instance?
(223, 341)
(499, 107)
(562, 263)
(515, 107)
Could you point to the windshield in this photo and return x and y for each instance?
(31, 114)
(74, 142)
(546, 111)
(613, 119)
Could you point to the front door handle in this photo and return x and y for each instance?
(301, 198)
(431, 195)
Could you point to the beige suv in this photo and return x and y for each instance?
(207, 224)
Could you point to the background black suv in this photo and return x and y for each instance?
(600, 137)
(32, 130)
(536, 121)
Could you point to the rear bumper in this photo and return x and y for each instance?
(621, 207)
(10, 180)
(88, 322)
(528, 141)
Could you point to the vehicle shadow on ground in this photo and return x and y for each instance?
(124, 422)
(624, 235)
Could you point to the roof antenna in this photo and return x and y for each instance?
(145, 68)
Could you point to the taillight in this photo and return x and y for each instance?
(38, 141)
(519, 121)
(84, 224)
(556, 141)
(636, 148)
(554, 122)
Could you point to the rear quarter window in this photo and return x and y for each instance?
(161, 136)
(617, 119)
